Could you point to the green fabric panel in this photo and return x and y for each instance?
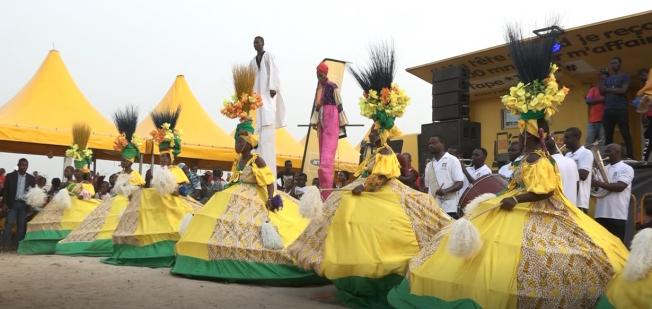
(362, 292)
(160, 254)
(245, 272)
(401, 298)
(41, 242)
(603, 303)
(100, 247)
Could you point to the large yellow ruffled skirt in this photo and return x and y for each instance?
(372, 236)
(545, 254)
(223, 241)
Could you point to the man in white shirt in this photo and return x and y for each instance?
(477, 168)
(567, 171)
(514, 151)
(584, 160)
(612, 209)
(444, 176)
(271, 115)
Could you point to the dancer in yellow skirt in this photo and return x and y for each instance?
(370, 230)
(632, 287)
(69, 207)
(530, 247)
(150, 225)
(94, 235)
(242, 233)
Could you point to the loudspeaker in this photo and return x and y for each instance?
(450, 112)
(450, 98)
(460, 134)
(457, 71)
(450, 85)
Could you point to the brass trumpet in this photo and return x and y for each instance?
(599, 172)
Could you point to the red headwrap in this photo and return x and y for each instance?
(322, 68)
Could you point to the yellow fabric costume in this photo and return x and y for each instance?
(544, 254)
(364, 243)
(150, 226)
(223, 240)
(54, 223)
(94, 235)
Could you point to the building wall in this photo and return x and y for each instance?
(573, 113)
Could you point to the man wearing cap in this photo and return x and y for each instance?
(329, 120)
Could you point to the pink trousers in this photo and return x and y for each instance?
(328, 136)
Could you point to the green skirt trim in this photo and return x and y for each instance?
(160, 254)
(41, 242)
(245, 272)
(362, 292)
(603, 303)
(401, 298)
(100, 247)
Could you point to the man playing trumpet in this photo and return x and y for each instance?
(612, 209)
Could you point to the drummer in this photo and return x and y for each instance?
(477, 169)
(444, 176)
(514, 152)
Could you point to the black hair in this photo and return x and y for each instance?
(484, 151)
(218, 172)
(258, 37)
(575, 131)
(617, 58)
(21, 160)
(442, 139)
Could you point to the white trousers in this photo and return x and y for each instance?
(267, 146)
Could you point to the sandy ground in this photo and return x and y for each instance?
(51, 281)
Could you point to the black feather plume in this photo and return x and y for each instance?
(380, 70)
(169, 116)
(532, 57)
(126, 121)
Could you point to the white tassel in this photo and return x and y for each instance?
(310, 204)
(185, 221)
(271, 239)
(164, 181)
(640, 258)
(473, 204)
(61, 199)
(123, 186)
(36, 197)
(464, 240)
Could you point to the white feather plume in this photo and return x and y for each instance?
(640, 258)
(61, 199)
(164, 181)
(36, 197)
(464, 240)
(185, 221)
(473, 204)
(271, 239)
(123, 186)
(310, 204)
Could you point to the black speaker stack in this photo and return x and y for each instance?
(450, 113)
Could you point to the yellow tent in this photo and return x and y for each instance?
(346, 158)
(205, 144)
(287, 148)
(39, 119)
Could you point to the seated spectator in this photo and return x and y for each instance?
(300, 180)
(54, 186)
(409, 176)
(105, 191)
(342, 179)
(286, 176)
(194, 186)
(315, 182)
(647, 215)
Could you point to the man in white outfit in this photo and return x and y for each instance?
(515, 155)
(477, 168)
(584, 160)
(568, 172)
(444, 177)
(271, 115)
